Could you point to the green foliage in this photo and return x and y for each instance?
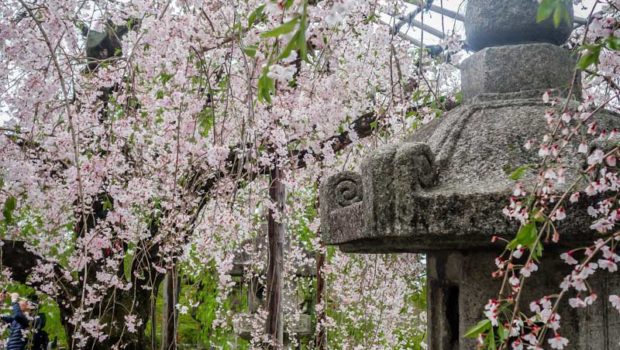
(426, 100)
(479, 328)
(486, 329)
(198, 324)
(300, 37)
(284, 28)
(302, 231)
(206, 120)
(250, 50)
(519, 172)
(418, 299)
(266, 86)
(526, 237)
(165, 77)
(556, 8)
(298, 24)
(590, 56)
(197, 328)
(128, 261)
(7, 211)
(592, 52)
(256, 15)
(492, 336)
(613, 43)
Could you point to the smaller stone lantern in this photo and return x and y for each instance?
(242, 265)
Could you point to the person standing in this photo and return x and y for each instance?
(18, 322)
(40, 338)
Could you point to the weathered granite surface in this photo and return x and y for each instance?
(459, 286)
(506, 22)
(530, 67)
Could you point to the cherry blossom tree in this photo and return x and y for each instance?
(142, 135)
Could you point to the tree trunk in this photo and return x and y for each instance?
(153, 317)
(275, 238)
(320, 341)
(114, 318)
(170, 315)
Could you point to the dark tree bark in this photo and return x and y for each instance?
(111, 310)
(172, 288)
(320, 340)
(16, 257)
(275, 242)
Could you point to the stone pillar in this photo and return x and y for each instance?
(459, 285)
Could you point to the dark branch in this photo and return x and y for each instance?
(19, 259)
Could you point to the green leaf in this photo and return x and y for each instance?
(293, 44)
(566, 15)
(9, 207)
(10, 204)
(331, 252)
(265, 86)
(165, 77)
(557, 16)
(526, 236)
(128, 261)
(284, 28)
(538, 251)
(589, 57)
(107, 204)
(502, 333)
(545, 10)
(301, 44)
(478, 329)
(205, 121)
(613, 43)
(256, 14)
(491, 339)
(519, 172)
(556, 8)
(534, 215)
(288, 4)
(131, 23)
(458, 97)
(250, 50)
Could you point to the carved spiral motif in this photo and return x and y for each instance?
(348, 191)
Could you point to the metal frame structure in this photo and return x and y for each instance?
(410, 21)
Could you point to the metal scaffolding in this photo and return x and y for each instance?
(410, 21)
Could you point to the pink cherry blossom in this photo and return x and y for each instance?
(558, 342)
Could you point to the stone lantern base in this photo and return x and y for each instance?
(460, 284)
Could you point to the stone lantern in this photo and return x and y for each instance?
(441, 191)
(256, 293)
